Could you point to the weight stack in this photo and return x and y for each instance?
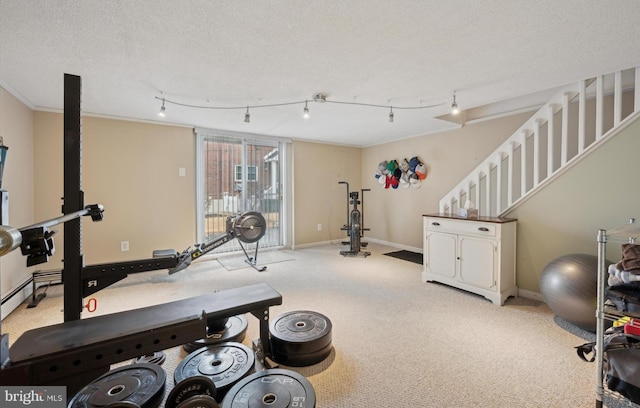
(300, 338)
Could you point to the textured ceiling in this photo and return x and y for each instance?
(405, 53)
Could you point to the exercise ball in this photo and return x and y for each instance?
(569, 286)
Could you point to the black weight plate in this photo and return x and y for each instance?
(190, 387)
(142, 384)
(272, 388)
(249, 227)
(225, 364)
(300, 332)
(156, 358)
(234, 330)
(199, 401)
(301, 360)
(122, 404)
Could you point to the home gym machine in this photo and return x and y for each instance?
(248, 227)
(355, 224)
(37, 244)
(72, 352)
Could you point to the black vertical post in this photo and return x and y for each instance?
(73, 198)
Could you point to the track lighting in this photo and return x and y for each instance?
(454, 106)
(318, 98)
(305, 111)
(163, 110)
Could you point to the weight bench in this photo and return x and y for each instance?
(72, 353)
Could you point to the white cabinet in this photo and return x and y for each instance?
(475, 255)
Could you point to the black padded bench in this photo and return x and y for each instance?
(75, 352)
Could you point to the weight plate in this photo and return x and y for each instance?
(225, 364)
(301, 360)
(199, 401)
(156, 358)
(249, 227)
(190, 387)
(272, 388)
(142, 384)
(122, 404)
(300, 332)
(234, 330)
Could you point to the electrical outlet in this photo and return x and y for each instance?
(124, 246)
(319, 227)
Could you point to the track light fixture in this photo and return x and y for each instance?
(454, 106)
(305, 111)
(318, 98)
(163, 110)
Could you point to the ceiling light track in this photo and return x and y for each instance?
(318, 97)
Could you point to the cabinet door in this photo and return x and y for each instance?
(477, 261)
(441, 254)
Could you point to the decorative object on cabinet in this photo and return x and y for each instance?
(476, 255)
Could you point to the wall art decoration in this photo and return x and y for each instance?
(392, 174)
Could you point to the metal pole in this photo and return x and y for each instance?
(73, 198)
(602, 244)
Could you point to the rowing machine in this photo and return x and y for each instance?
(248, 227)
(36, 242)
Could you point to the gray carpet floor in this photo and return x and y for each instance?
(398, 342)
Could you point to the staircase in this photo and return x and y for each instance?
(562, 132)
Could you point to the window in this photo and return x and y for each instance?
(252, 173)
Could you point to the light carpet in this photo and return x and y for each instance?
(398, 342)
(235, 261)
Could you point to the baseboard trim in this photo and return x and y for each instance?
(313, 244)
(366, 239)
(11, 303)
(530, 295)
(394, 245)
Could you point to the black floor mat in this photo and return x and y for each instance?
(414, 257)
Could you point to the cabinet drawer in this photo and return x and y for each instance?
(461, 226)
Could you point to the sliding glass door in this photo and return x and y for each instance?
(238, 174)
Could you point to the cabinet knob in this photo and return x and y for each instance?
(484, 229)
(435, 223)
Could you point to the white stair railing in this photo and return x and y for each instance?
(570, 125)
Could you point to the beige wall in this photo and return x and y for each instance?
(132, 169)
(16, 129)
(395, 215)
(318, 198)
(599, 192)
